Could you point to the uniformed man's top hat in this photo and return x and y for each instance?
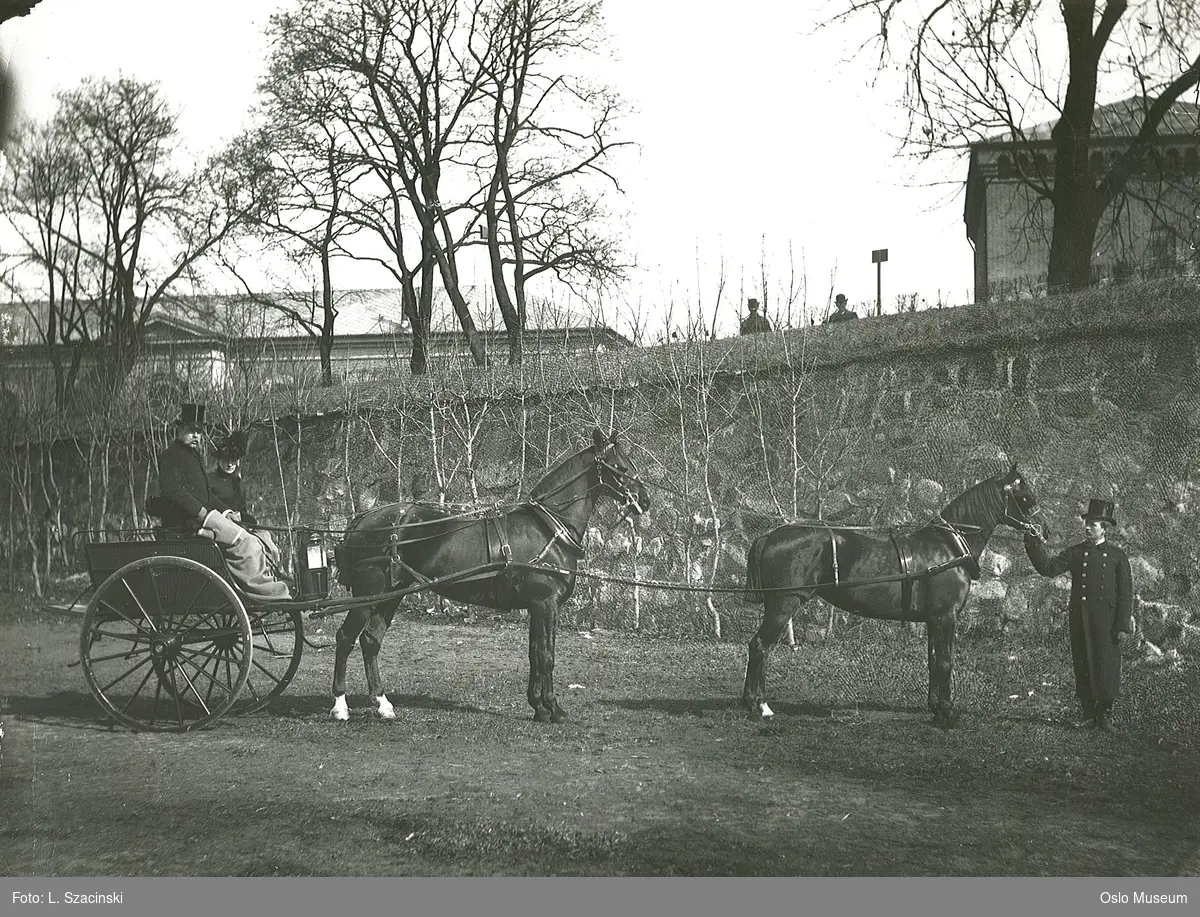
(1102, 510)
(192, 415)
(230, 446)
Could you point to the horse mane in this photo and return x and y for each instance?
(541, 487)
(980, 506)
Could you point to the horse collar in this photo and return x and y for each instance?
(562, 532)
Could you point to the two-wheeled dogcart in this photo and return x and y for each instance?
(170, 642)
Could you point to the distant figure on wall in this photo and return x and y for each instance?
(842, 314)
(754, 323)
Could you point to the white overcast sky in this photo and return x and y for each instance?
(752, 128)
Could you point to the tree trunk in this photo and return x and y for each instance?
(508, 311)
(418, 363)
(1078, 204)
(325, 341)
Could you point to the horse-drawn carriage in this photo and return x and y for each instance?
(170, 642)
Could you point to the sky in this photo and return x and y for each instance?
(760, 139)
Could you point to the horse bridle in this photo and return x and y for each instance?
(1027, 524)
(626, 494)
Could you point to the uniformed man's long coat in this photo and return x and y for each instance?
(1101, 606)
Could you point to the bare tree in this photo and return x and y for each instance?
(109, 219)
(978, 68)
(407, 85)
(548, 132)
(301, 183)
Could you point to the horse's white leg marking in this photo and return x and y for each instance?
(765, 711)
(384, 707)
(340, 711)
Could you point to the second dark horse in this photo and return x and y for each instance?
(524, 556)
(924, 576)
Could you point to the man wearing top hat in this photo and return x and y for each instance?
(187, 501)
(1101, 609)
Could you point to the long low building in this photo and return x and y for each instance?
(206, 343)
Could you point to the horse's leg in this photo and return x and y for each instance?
(778, 610)
(347, 635)
(931, 632)
(542, 626)
(371, 640)
(941, 638)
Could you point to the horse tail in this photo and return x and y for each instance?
(754, 591)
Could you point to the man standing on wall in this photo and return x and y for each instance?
(754, 323)
(1101, 609)
(841, 314)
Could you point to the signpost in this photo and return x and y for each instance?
(877, 258)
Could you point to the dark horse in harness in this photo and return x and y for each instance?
(923, 576)
(524, 556)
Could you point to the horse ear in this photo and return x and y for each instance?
(597, 438)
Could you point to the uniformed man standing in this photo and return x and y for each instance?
(1101, 609)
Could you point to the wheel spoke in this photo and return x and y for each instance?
(127, 654)
(120, 678)
(137, 602)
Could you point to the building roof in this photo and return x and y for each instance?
(1110, 123)
(1118, 120)
(360, 313)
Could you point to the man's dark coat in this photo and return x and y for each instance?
(183, 486)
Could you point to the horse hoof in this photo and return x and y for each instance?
(541, 716)
(341, 711)
(559, 715)
(384, 709)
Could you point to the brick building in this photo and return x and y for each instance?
(1148, 229)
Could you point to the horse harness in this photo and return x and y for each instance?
(499, 550)
(963, 557)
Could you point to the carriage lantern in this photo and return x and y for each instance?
(311, 565)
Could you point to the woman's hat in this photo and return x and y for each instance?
(230, 445)
(192, 415)
(1102, 510)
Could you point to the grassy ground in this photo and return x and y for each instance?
(658, 773)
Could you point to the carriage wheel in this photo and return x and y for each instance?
(278, 638)
(166, 644)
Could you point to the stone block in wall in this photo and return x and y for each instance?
(985, 603)
(1068, 403)
(1145, 571)
(928, 494)
(993, 563)
(1035, 602)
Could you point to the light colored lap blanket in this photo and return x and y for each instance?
(246, 556)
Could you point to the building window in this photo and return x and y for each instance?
(1161, 250)
(1171, 164)
(1004, 167)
